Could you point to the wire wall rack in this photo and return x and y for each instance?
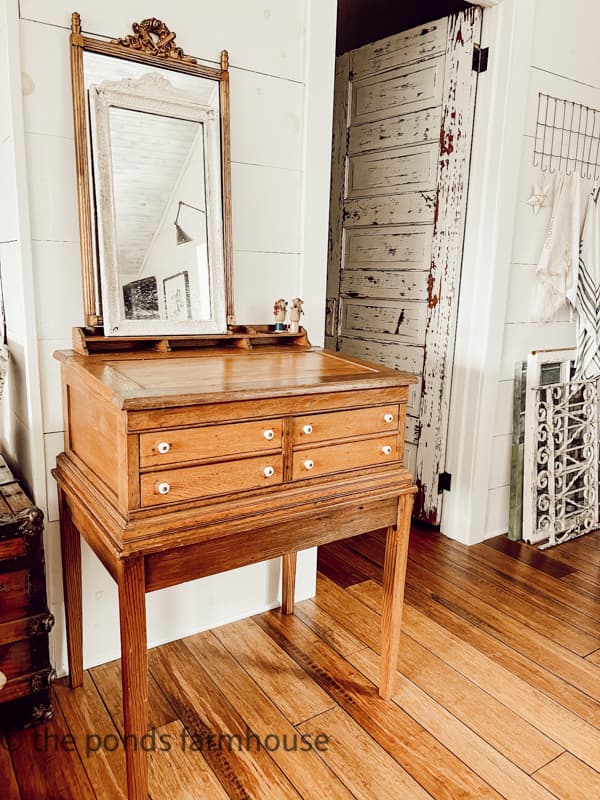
(567, 137)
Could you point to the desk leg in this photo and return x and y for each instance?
(288, 582)
(394, 574)
(134, 672)
(70, 541)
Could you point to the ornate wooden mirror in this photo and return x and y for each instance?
(153, 167)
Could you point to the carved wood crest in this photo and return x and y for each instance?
(153, 37)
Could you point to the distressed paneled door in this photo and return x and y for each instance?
(403, 120)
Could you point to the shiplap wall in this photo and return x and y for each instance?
(15, 417)
(566, 64)
(279, 80)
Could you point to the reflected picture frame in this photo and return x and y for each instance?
(176, 292)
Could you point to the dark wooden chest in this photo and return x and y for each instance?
(25, 671)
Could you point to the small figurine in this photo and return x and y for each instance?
(280, 312)
(295, 314)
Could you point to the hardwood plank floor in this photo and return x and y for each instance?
(497, 696)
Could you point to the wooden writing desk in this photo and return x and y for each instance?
(179, 465)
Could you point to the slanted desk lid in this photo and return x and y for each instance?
(215, 376)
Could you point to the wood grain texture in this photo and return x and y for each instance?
(396, 553)
(8, 780)
(55, 771)
(86, 716)
(409, 744)
(279, 676)
(351, 749)
(107, 678)
(178, 773)
(71, 561)
(258, 702)
(206, 714)
(492, 721)
(288, 582)
(463, 705)
(134, 673)
(570, 779)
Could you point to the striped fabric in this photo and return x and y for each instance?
(587, 299)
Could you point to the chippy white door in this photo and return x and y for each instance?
(403, 121)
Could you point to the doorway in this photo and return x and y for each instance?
(403, 120)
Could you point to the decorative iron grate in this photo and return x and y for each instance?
(565, 479)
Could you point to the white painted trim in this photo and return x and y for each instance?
(318, 124)
(484, 3)
(499, 125)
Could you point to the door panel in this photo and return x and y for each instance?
(383, 283)
(405, 169)
(399, 131)
(403, 247)
(403, 113)
(385, 320)
(400, 91)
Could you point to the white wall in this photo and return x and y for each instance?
(282, 57)
(566, 64)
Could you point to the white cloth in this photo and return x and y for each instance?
(587, 296)
(557, 268)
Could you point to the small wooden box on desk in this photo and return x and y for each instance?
(25, 671)
(182, 463)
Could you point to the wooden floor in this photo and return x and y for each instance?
(498, 691)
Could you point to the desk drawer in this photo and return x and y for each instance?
(344, 424)
(338, 457)
(214, 441)
(189, 483)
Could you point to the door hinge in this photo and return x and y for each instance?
(444, 482)
(481, 57)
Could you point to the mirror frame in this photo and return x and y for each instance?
(161, 52)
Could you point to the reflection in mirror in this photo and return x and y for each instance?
(156, 166)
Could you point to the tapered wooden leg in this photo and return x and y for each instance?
(288, 583)
(70, 541)
(394, 575)
(134, 673)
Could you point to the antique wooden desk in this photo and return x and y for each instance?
(183, 464)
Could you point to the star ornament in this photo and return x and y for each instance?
(538, 197)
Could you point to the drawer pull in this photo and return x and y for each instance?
(163, 488)
(269, 472)
(307, 429)
(3, 680)
(309, 463)
(164, 447)
(270, 434)
(386, 450)
(389, 418)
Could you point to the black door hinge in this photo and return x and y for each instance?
(481, 57)
(444, 482)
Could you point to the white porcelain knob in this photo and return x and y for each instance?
(3, 680)
(386, 450)
(269, 472)
(270, 434)
(164, 447)
(163, 488)
(307, 429)
(309, 463)
(389, 418)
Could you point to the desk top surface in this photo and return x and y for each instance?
(165, 380)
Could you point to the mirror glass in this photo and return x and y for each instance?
(155, 157)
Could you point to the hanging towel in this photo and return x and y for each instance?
(557, 269)
(587, 296)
